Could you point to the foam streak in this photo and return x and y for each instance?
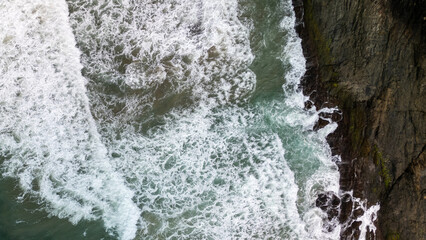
(47, 132)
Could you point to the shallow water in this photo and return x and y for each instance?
(158, 120)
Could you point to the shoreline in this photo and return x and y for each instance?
(318, 93)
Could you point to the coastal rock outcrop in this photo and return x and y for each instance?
(369, 58)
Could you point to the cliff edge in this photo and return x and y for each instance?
(369, 58)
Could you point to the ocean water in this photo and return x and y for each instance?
(158, 119)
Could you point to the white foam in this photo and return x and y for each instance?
(200, 47)
(191, 163)
(183, 170)
(327, 177)
(368, 217)
(47, 132)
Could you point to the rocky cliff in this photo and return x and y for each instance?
(368, 57)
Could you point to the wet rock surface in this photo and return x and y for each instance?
(329, 203)
(368, 58)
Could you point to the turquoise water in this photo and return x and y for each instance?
(158, 120)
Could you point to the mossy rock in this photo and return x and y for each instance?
(393, 236)
(382, 162)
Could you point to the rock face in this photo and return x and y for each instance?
(369, 58)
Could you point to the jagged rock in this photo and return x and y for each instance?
(368, 57)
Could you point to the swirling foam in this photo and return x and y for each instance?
(169, 87)
(213, 169)
(48, 136)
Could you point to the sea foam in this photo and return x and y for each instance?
(176, 146)
(48, 136)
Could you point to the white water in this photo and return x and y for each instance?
(46, 127)
(174, 148)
